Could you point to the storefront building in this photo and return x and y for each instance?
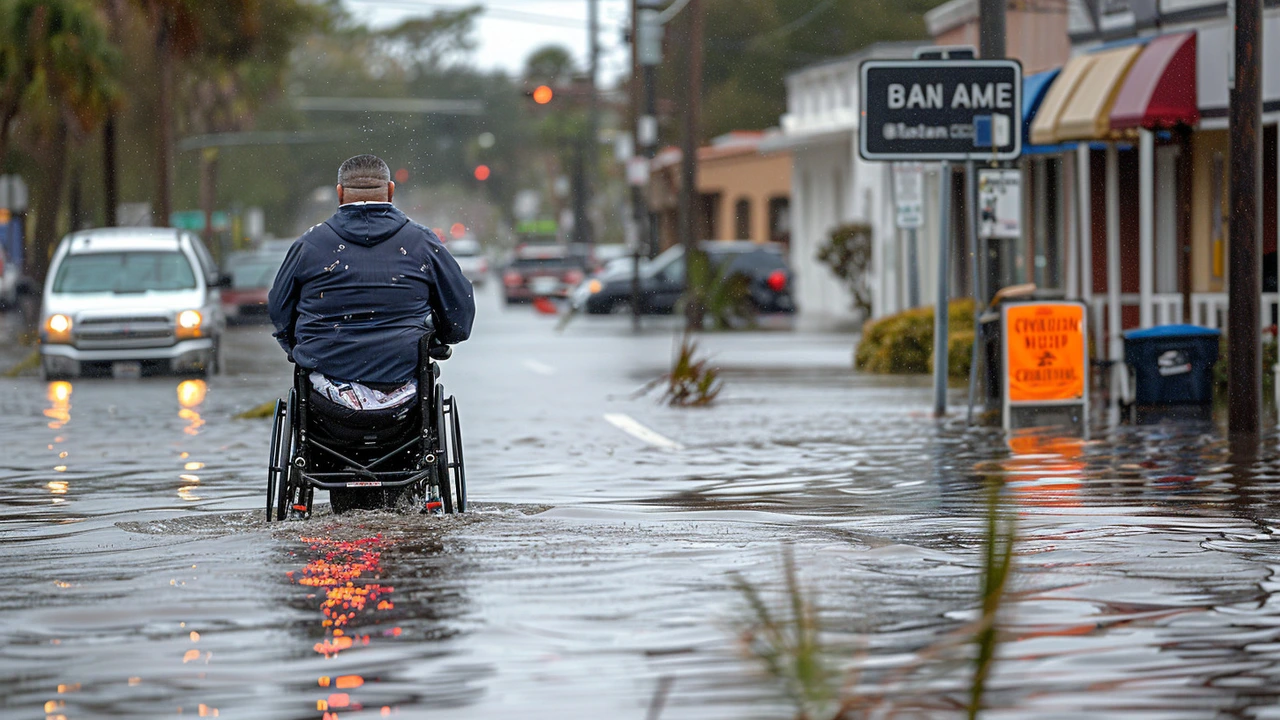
(1136, 123)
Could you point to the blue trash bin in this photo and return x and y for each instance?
(1172, 369)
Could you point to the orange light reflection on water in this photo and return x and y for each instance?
(345, 570)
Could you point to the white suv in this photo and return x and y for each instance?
(119, 300)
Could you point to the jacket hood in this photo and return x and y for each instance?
(367, 225)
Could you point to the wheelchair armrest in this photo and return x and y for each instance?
(439, 352)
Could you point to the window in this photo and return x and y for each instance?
(205, 259)
(124, 272)
(780, 220)
(742, 219)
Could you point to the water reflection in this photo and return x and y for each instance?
(191, 394)
(1044, 469)
(59, 410)
(346, 572)
(59, 413)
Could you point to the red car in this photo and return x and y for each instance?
(549, 271)
(251, 274)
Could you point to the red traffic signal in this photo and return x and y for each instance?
(482, 172)
(543, 94)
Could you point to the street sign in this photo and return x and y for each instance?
(1046, 356)
(908, 195)
(940, 110)
(13, 193)
(999, 204)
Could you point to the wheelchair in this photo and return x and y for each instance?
(368, 459)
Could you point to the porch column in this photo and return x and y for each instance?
(1115, 345)
(1146, 227)
(1066, 177)
(1084, 233)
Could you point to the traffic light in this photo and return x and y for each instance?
(543, 94)
(482, 172)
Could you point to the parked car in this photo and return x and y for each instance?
(662, 280)
(471, 259)
(602, 255)
(252, 274)
(542, 271)
(8, 282)
(125, 301)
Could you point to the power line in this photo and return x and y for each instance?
(488, 12)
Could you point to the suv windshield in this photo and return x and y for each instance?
(124, 272)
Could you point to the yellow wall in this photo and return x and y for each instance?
(751, 176)
(1205, 276)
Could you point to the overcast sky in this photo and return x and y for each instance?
(510, 29)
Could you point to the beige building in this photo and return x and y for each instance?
(1035, 33)
(743, 195)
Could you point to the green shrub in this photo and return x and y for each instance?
(903, 343)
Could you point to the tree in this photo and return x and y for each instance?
(751, 45)
(59, 79)
(549, 65)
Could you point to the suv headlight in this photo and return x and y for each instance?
(188, 324)
(57, 329)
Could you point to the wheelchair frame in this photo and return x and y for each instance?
(439, 464)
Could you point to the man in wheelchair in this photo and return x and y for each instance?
(362, 303)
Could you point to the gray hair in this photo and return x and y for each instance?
(364, 172)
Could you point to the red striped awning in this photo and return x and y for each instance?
(1160, 89)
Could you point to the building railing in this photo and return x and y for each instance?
(1207, 309)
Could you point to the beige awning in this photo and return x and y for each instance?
(1087, 115)
(1060, 92)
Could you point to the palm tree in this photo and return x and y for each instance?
(177, 34)
(59, 73)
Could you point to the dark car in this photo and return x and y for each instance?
(662, 280)
(251, 276)
(550, 271)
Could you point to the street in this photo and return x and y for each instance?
(597, 564)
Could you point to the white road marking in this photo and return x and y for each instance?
(540, 367)
(629, 425)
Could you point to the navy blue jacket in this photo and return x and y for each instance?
(357, 292)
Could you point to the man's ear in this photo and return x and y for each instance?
(339, 194)
(391, 190)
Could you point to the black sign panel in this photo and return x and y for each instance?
(941, 110)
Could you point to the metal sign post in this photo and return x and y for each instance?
(941, 110)
(940, 309)
(908, 200)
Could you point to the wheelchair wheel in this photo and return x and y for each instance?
(288, 489)
(278, 460)
(442, 454)
(455, 465)
(281, 474)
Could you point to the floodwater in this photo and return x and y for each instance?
(597, 569)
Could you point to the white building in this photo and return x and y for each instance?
(832, 186)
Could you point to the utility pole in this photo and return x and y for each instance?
(647, 35)
(1244, 281)
(991, 30)
(591, 151)
(689, 205)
